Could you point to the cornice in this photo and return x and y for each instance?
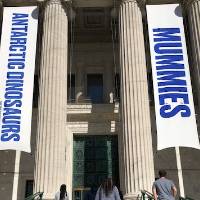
(13, 3)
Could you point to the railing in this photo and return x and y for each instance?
(37, 195)
(185, 198)
(79, 193)
(146, 195)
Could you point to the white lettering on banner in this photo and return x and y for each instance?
(18, 45)
(175, 116)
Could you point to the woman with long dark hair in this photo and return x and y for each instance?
(62, 194)
(107, 191)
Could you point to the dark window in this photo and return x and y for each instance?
(95, 87)
(71, 87)
(117, 87)
(35, 92)
(150, 87)
(29, 188)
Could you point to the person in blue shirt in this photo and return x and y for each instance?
(163, 188)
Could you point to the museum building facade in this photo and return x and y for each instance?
(93, 108)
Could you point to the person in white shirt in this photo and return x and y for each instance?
(62, 194)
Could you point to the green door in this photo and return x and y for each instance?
(94, 158)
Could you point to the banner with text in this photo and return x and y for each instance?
(17, 66)
(175, 115)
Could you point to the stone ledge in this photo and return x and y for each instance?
(84, 108)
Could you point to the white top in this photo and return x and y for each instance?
(57, 196)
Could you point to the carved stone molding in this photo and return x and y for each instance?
(125, 1)
(54, 2)
(2, 3)
(187, 3)
(40, 1)
(141, 4)
(65, 3)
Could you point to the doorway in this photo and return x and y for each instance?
(95, 87)
(94, 159)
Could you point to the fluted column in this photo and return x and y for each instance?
(1, 13)
(193, 12)
(136, 139)
(50, 163)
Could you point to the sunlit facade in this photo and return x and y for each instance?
(93, 108)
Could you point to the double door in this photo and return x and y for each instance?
(94, 159)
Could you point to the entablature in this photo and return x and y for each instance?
(84, 3)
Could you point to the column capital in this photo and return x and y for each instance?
(141, 4)
(187, 3)
(52, 1)
(65, 3)
(128, 0)
(135, 1)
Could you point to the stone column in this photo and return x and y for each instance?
(1, 14)
(193, 12)
(136, 139)
(50, 166)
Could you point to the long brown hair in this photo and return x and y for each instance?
(62, 191)
(107, 186)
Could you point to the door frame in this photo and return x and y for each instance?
(81, 128)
